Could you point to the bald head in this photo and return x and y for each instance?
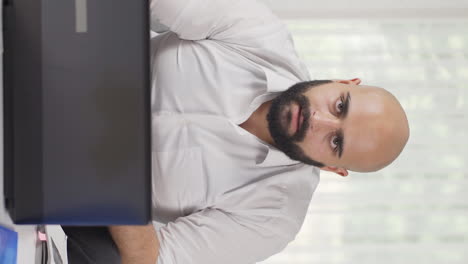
(339, 125)
(383, 130)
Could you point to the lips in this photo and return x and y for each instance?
(296, 120)
(299, 119)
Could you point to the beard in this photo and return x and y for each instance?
(279, 120)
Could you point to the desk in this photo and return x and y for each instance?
(26, 233)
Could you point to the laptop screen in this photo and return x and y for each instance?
(77, 120)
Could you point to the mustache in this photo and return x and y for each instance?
(279, 126)
(305, 112)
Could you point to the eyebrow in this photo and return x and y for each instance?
(340, 133)
(341, 147)
(346, 104)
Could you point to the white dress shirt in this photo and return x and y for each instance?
(220, 194)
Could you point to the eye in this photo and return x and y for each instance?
(335, 142)
(339, 106)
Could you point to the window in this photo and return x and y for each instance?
(416, 210)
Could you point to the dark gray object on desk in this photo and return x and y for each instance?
(77, 112)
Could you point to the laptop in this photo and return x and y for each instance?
(77, 142)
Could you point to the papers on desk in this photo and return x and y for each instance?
(52, 245)
(58, 249)
(8, 245)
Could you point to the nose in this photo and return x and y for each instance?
(324, 120)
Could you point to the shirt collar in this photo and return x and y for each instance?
(277, 82)
(275, 157)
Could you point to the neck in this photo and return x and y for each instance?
(257, 123)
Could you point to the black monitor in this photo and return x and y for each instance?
(77, 135)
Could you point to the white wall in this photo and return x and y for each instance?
(369, 8)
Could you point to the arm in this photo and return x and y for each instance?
(213, 236)
(136, 244)
(261, 221)
(228, 20)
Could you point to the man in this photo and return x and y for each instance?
(236, 154)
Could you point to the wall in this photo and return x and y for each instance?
(368, 8)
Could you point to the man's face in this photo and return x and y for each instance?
(337, 124)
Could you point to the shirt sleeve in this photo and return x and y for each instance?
(214, 236)
(228, 20)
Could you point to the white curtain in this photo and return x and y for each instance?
(416, 210)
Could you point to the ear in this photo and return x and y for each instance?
(339, 171)
(355, 81)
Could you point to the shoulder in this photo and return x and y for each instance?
(300, 187)
(278, 204)
(269, 45)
